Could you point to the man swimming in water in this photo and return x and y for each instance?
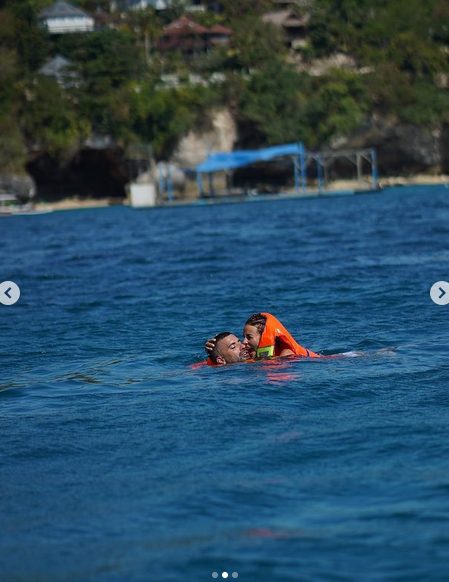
(227, 349)
(265, 336)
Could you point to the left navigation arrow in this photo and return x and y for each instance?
(9, 293)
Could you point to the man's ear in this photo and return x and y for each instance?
(221, 361)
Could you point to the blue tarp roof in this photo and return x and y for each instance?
(240, 158)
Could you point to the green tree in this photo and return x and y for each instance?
(403, 42)
(12, 150)
(336, 106)
(162, 116)
(410, 100)
(108, 64)
(253, 44)
(50, 120)
(145, 26)
(274, 101)
(93, 6)
(441, 21)
(236, 9)
(29, 40)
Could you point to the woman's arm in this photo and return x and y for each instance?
(286, 352)
(282, 349)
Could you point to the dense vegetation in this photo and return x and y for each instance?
(400, 49)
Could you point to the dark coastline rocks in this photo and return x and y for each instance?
(21, 186)
(89, 173)
(401, 149)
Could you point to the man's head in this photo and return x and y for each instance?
(228, 349)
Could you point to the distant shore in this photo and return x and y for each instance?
(75, 203)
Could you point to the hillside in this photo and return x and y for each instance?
(328, 72)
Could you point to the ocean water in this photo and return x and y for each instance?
(119, 462)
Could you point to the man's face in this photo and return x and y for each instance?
(232, 350)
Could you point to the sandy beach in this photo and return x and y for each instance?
(79, 203)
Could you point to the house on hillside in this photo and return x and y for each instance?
(60, 69)
(62, 18)
(292, 4)
(140, 4)
(196, 6)
(294, 27)
(189, 38)
(218, 34)
(190, 5)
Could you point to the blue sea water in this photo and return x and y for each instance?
(119, 462)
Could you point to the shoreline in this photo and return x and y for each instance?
(391, 181)
(75, 203)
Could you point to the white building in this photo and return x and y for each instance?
(140, 4)
(63, 18)
(60, 69)
(189, 5)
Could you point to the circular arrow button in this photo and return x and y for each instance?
(9, 293)
(439, 293)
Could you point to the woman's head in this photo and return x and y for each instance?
(253, 330)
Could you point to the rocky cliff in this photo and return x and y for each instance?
(403, 150)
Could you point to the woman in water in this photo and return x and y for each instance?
(265, 336)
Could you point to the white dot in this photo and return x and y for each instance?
(235, 575)
(214, 574)
(225, 574)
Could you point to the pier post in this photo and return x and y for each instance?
(199, 182)
(295, 161)
(169, 183)
(302, 161)
(359, 167)
(374, 171)
(319, 167)
(161, 177)
(211, 184)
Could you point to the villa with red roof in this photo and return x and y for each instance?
(189, 37)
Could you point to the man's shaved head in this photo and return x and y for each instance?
(215, 353)
(228, 349)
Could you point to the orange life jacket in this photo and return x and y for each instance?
(268, 346)
(207, 362)
(273, 335)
